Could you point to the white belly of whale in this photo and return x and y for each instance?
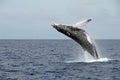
(89, 38)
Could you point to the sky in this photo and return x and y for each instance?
(32, 19)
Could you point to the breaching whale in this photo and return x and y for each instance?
(79, 35)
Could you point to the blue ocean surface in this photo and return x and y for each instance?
(48, 60)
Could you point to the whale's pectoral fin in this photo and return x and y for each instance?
(82, 23)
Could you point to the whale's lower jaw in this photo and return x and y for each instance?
(79, 36)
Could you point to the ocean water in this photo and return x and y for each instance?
(57, 60)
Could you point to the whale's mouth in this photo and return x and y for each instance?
(53, 25)
(59, 27)
(56, 26)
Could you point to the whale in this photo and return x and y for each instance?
(79, 35)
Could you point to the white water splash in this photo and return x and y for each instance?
(72, 61)
(99, 60)
(87, 56)
(89, 59)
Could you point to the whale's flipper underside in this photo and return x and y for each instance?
(81, 23)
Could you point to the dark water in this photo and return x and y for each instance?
(46, 60)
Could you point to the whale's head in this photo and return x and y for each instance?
(70, 31)
(65, 28)
(68, 28)
(62, 28)
(56, 26)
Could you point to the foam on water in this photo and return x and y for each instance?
(87, 56)
(91, 61)
(99, 60)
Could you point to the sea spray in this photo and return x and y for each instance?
(88, 59)
(105, 59)
(87, 56)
